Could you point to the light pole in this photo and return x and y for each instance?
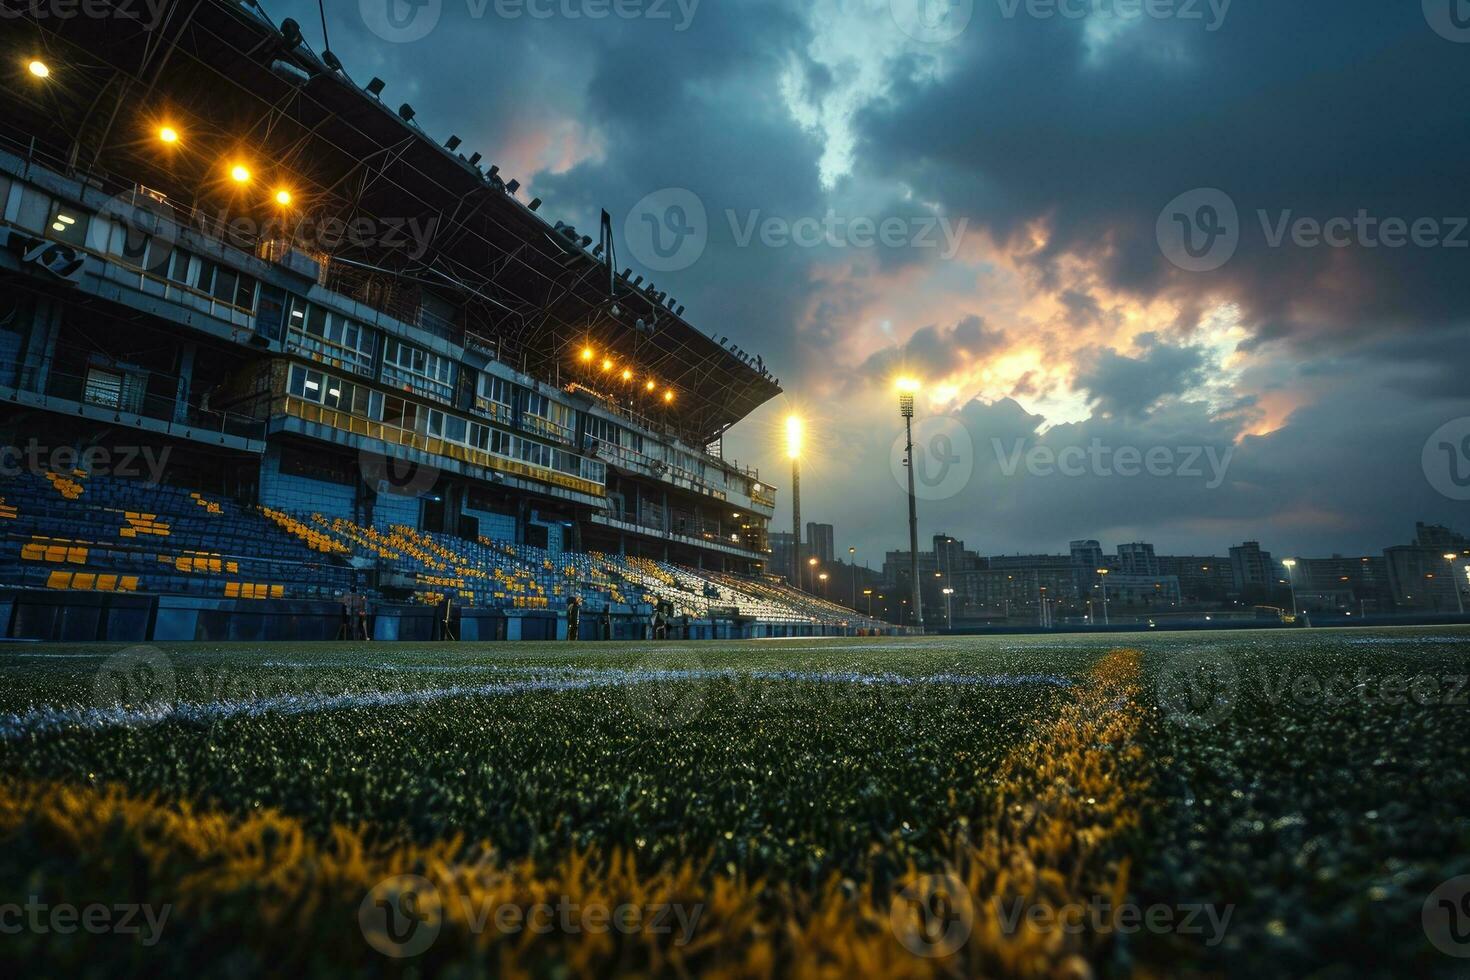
(1455, 581)
(948, 609)
(811, 574)
(823, 577)
(793, 449)
(1103, 572)
(906, 388)
(1290, 564)
(869, 594)
(852, 570)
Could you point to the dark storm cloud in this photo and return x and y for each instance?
(934, 351)
(1300, 109)
(1130, 386)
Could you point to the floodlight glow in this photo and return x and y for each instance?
(794, 433)
(168, 134)
(283, 197)
(627, 375)
(39, 69)
(908, 386)
(668, 397)
(587, 354)
(650, 385)
(240, 174)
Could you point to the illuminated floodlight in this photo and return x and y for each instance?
(168, 134)
(283, 197)
(668, 396)
(39, 68)
(795, 431)
(587, 355)
(240, 174)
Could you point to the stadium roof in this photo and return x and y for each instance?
(235, 87)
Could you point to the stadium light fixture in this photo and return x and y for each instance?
(283, 197)
(1452, 557)
(168, 134)
(907, 387)
(650, 385)
(376, 86)
(1290, 564)
(607, 364)
(627, 375)
(668, 397)
(240, 173)
(587, 355)
(39, 68)
(794, 431)
(794, 434)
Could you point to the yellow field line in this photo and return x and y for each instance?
(1065, 800)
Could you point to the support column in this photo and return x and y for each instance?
(186, 381)
(40, 347)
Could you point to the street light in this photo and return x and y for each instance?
(907, 387)
(1104, 573)
(852, 570)
(1290, 564)
(869, 594)
(948, 609)
(794, 433)
(1451, 557)
(823, 577)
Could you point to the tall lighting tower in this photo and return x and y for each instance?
(793, 449)
(906, 389)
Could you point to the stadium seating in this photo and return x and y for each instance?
(97, 533)
(72, 531)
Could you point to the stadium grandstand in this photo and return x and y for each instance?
(269, 352)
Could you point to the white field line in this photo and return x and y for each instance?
(53, 718)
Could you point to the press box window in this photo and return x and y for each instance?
(68, 225)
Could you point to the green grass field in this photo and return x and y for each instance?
(1288, 801)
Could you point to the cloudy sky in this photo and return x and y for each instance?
(1182, 271)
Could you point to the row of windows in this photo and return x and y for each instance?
(416, 360)
(327, 336)
(159, 258)
(343, 343)
(316, 386)
(323, 389)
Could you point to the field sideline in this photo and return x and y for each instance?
(1032, 806)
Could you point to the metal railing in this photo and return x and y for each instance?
(159, 408)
